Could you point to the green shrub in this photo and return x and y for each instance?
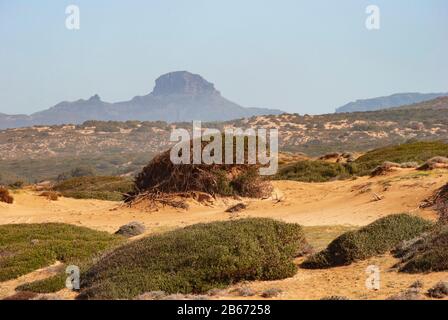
(196, 259)
(428, 253)
(313, 171)
(223, 183)
(102, 188)
(98, 195)
(28, 247)
(408, 152)
(376, 238)
(76, 173)
(16, 184)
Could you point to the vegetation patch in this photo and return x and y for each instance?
(439, 202)
(102, 188)
(439, 291)
(434, 163)
(377, 238)
(385, 168)
(408, 152)
(27, 247)
(427, 253)
(196, 259)
(5, 196)
(50, 195)
(314, 171)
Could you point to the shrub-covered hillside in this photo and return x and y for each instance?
(407, 152)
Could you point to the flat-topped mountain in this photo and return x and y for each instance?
(177, 97)
(42, 152)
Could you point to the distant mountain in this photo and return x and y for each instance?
(440, 103)
(177, 97)
(38, 153)
(395, 100)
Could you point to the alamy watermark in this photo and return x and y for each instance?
(73, 280)
(233, 142)
(373, 21)
(73, 19)
(373, 281)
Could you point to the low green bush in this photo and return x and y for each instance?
(313, 171)
(376, 238)
(196, 259)
(417, 152)
(99, 187)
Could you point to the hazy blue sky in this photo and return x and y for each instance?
(300, 56)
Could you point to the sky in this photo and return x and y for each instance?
(298, 56)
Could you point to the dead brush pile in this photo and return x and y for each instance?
(163, 182)
(439, 202)
(5, 196)
(385, 168)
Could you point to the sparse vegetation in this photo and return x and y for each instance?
(131, 229)
(335, 298)
(271, 293)
(196, 259)
(102, 188)
(314, 171)
(385, 168)
(439, 291)
(439, 202)
(244, 291)
(50, 195)
(77, 173)
(426, 253)
(377, 238)
(16, 184)
(408, 294)
(434, 163)
(236, 208)
(5, 196)
(408, 152)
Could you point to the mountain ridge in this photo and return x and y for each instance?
(386, 102)
(177, 97)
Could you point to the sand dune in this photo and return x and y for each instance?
(310, 204)
(350, 203)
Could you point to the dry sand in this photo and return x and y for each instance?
(348, 203)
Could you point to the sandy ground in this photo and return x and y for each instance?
(348, 281)
(348, 203)
(311, 204)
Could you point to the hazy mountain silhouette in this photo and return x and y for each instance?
(177, 96)
(395, 100)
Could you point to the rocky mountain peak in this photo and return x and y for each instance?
(95, 97)
(184, 83)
